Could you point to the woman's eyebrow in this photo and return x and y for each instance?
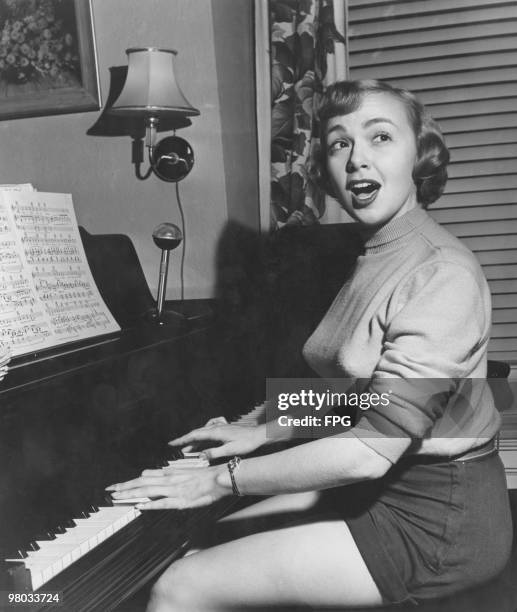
(375, 120)
(337, 128)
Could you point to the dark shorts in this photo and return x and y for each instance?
(429, 530)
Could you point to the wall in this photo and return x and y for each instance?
(234, 47)
(55, 154)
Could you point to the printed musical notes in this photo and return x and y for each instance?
(47, 293)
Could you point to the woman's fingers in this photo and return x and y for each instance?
(196, 435)
(175, 503)
(225, 450)
(148, 490)
(135, 483)
(215, 421)
(152, 472)
(199, 434)
(161, 477)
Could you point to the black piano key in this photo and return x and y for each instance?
(19, 553)
(100, 498)
(106, 500)
(174, 452)
(81, 513)
(45, 536)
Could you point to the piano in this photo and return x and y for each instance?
(77, 418)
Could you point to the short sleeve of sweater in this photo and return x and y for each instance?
(437, 328)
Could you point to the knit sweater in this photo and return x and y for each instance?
(413, 321)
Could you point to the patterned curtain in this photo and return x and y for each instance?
(304, 43)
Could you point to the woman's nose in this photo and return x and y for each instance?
(358, 159)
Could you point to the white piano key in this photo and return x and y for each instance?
(36, 579)
(122, 501)
(188, 463)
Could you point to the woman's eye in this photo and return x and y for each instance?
(382, 137)
(338, 145)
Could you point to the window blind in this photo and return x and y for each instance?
(460, 58)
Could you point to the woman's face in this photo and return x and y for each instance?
(371, 154)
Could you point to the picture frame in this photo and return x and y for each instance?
(48, 59)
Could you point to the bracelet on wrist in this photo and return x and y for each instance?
(233, 466)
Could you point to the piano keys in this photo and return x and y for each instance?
(73, 421)
(57, 549)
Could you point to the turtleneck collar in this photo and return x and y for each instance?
(394, 230)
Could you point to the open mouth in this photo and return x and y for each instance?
(364, 191)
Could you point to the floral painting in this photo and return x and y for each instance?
(47, 58)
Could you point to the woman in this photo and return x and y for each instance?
(415, 491)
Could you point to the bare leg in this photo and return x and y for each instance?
(315, 563)
(265, 515)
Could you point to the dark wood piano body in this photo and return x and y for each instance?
(73, 421)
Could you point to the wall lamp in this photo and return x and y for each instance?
(147, 101)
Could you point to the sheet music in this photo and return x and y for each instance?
(17, 187)
(47, 293)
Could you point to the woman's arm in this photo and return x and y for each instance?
(315, 465)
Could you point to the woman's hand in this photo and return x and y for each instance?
(233, 439)
(209, 423)
(173, 487)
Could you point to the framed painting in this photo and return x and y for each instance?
(48, 63)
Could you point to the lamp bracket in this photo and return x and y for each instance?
(172, 159)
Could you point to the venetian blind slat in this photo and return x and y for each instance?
(479, 122)
(427, 52)
(443, 81)
(491, 243)
(481, 168)
(494, 256)
(484, 198)
(476, 139)
(484, 228)
(469, 214)
(499, 151)
(439, 67)
(362, 3)
(504, 315)
(503, 344)
(504, 330)
(499, 272)
(488, 106)
(419, 37)
(500, 287)
(468, 93)
(502, 355)
(358, 30)
(479, 183)
(391, 10)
